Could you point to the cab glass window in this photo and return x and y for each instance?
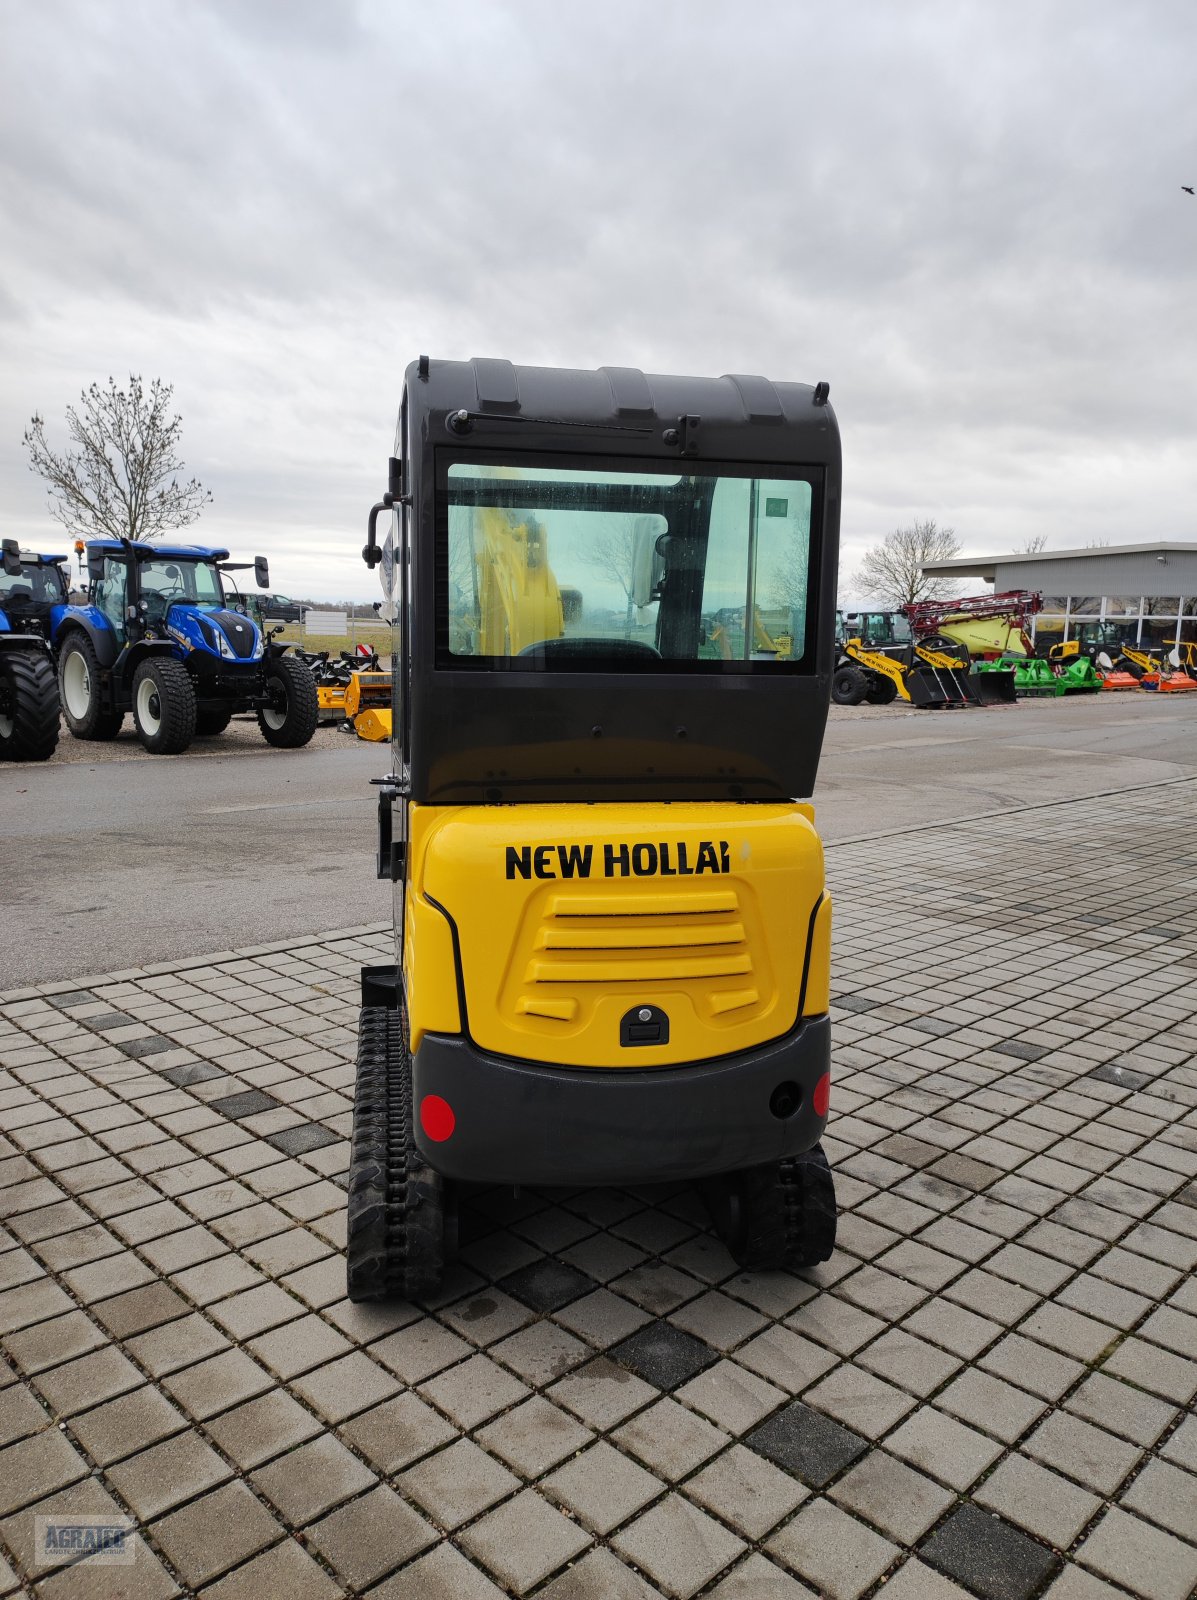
(546, 566)
(164, 582)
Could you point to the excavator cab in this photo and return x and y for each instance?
(614, 601)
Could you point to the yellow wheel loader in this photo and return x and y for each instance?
(614, 605)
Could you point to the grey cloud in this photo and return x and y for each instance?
(967, 217)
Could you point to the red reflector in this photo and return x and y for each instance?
(821, 1098)
(436, 1117)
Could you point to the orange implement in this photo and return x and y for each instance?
(1119, 680)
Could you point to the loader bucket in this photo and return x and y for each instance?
(931, 687)
(994, 682)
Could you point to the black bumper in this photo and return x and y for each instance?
(520, 1122)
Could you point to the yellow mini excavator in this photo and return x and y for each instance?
(614, 605)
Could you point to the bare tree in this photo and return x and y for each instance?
(122, 477)
(1031, 546)
(893, 570)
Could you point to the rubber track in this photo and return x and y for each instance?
(395, 1243)
(34, 688)
(789, 1214)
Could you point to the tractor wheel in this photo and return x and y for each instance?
(779, 1216)
(28, 706)
(882, 693)
(79, 688)
(849, 686)
(211, 720)
(396, 1239)
(290, 719)
(163, 705)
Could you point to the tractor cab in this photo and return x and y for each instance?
(31, 587)
(174, 591)
(614, 600)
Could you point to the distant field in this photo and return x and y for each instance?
(379, 638)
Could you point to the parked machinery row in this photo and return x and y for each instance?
(977, 651)
(158, 637)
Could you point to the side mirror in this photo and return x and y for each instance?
(261, 572)
(95, 565)
(12, 558)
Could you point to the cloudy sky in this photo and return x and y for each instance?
(967, 217)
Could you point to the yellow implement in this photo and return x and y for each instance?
(367, 705)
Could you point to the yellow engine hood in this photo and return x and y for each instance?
(569, 916)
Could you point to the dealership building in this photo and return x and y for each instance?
(1147, 593)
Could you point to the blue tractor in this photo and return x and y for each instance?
(33, 594)
(160, 638)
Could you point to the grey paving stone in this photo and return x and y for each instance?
(678, 1546)
(36, 1467)
(860, 1400)
(839, 1556)
(601, 1393)
(419, 1350)
(746, 1491)
(216, 1384)
(248, 1103)
(602, 1487)
(944, 1448)
(663, 1355)
(1038, 1500)
(474, 1391)
(541, 1352)
(599, 1575)
(908, 1361)
(915, 1581)
(286, 1570)
(214, 1533)
(312, 1479)
(302, 1139)
(1145, 1559)
(1092, 1456)
(990, 1557)
(1170, 1376)
(786, 1358)
(251, 1434)
(547, 1285)
(806, 1443)
(670, 1439)
(988, 1403)
(731, 1396)
(124, 1426)
(1121, 1409)
(1181, 1446)
(370, 1536)
(892, 1496)
(443, 1574)
(393, 1435)
(1029, 1365)
(1165, 1494)
(457, 1483)
(524, 1540)
(162, 1477)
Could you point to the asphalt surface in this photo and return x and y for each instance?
(111, 858)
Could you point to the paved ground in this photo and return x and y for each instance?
(262, 844)
(988, 1391)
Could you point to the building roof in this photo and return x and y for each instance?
(983, 566)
